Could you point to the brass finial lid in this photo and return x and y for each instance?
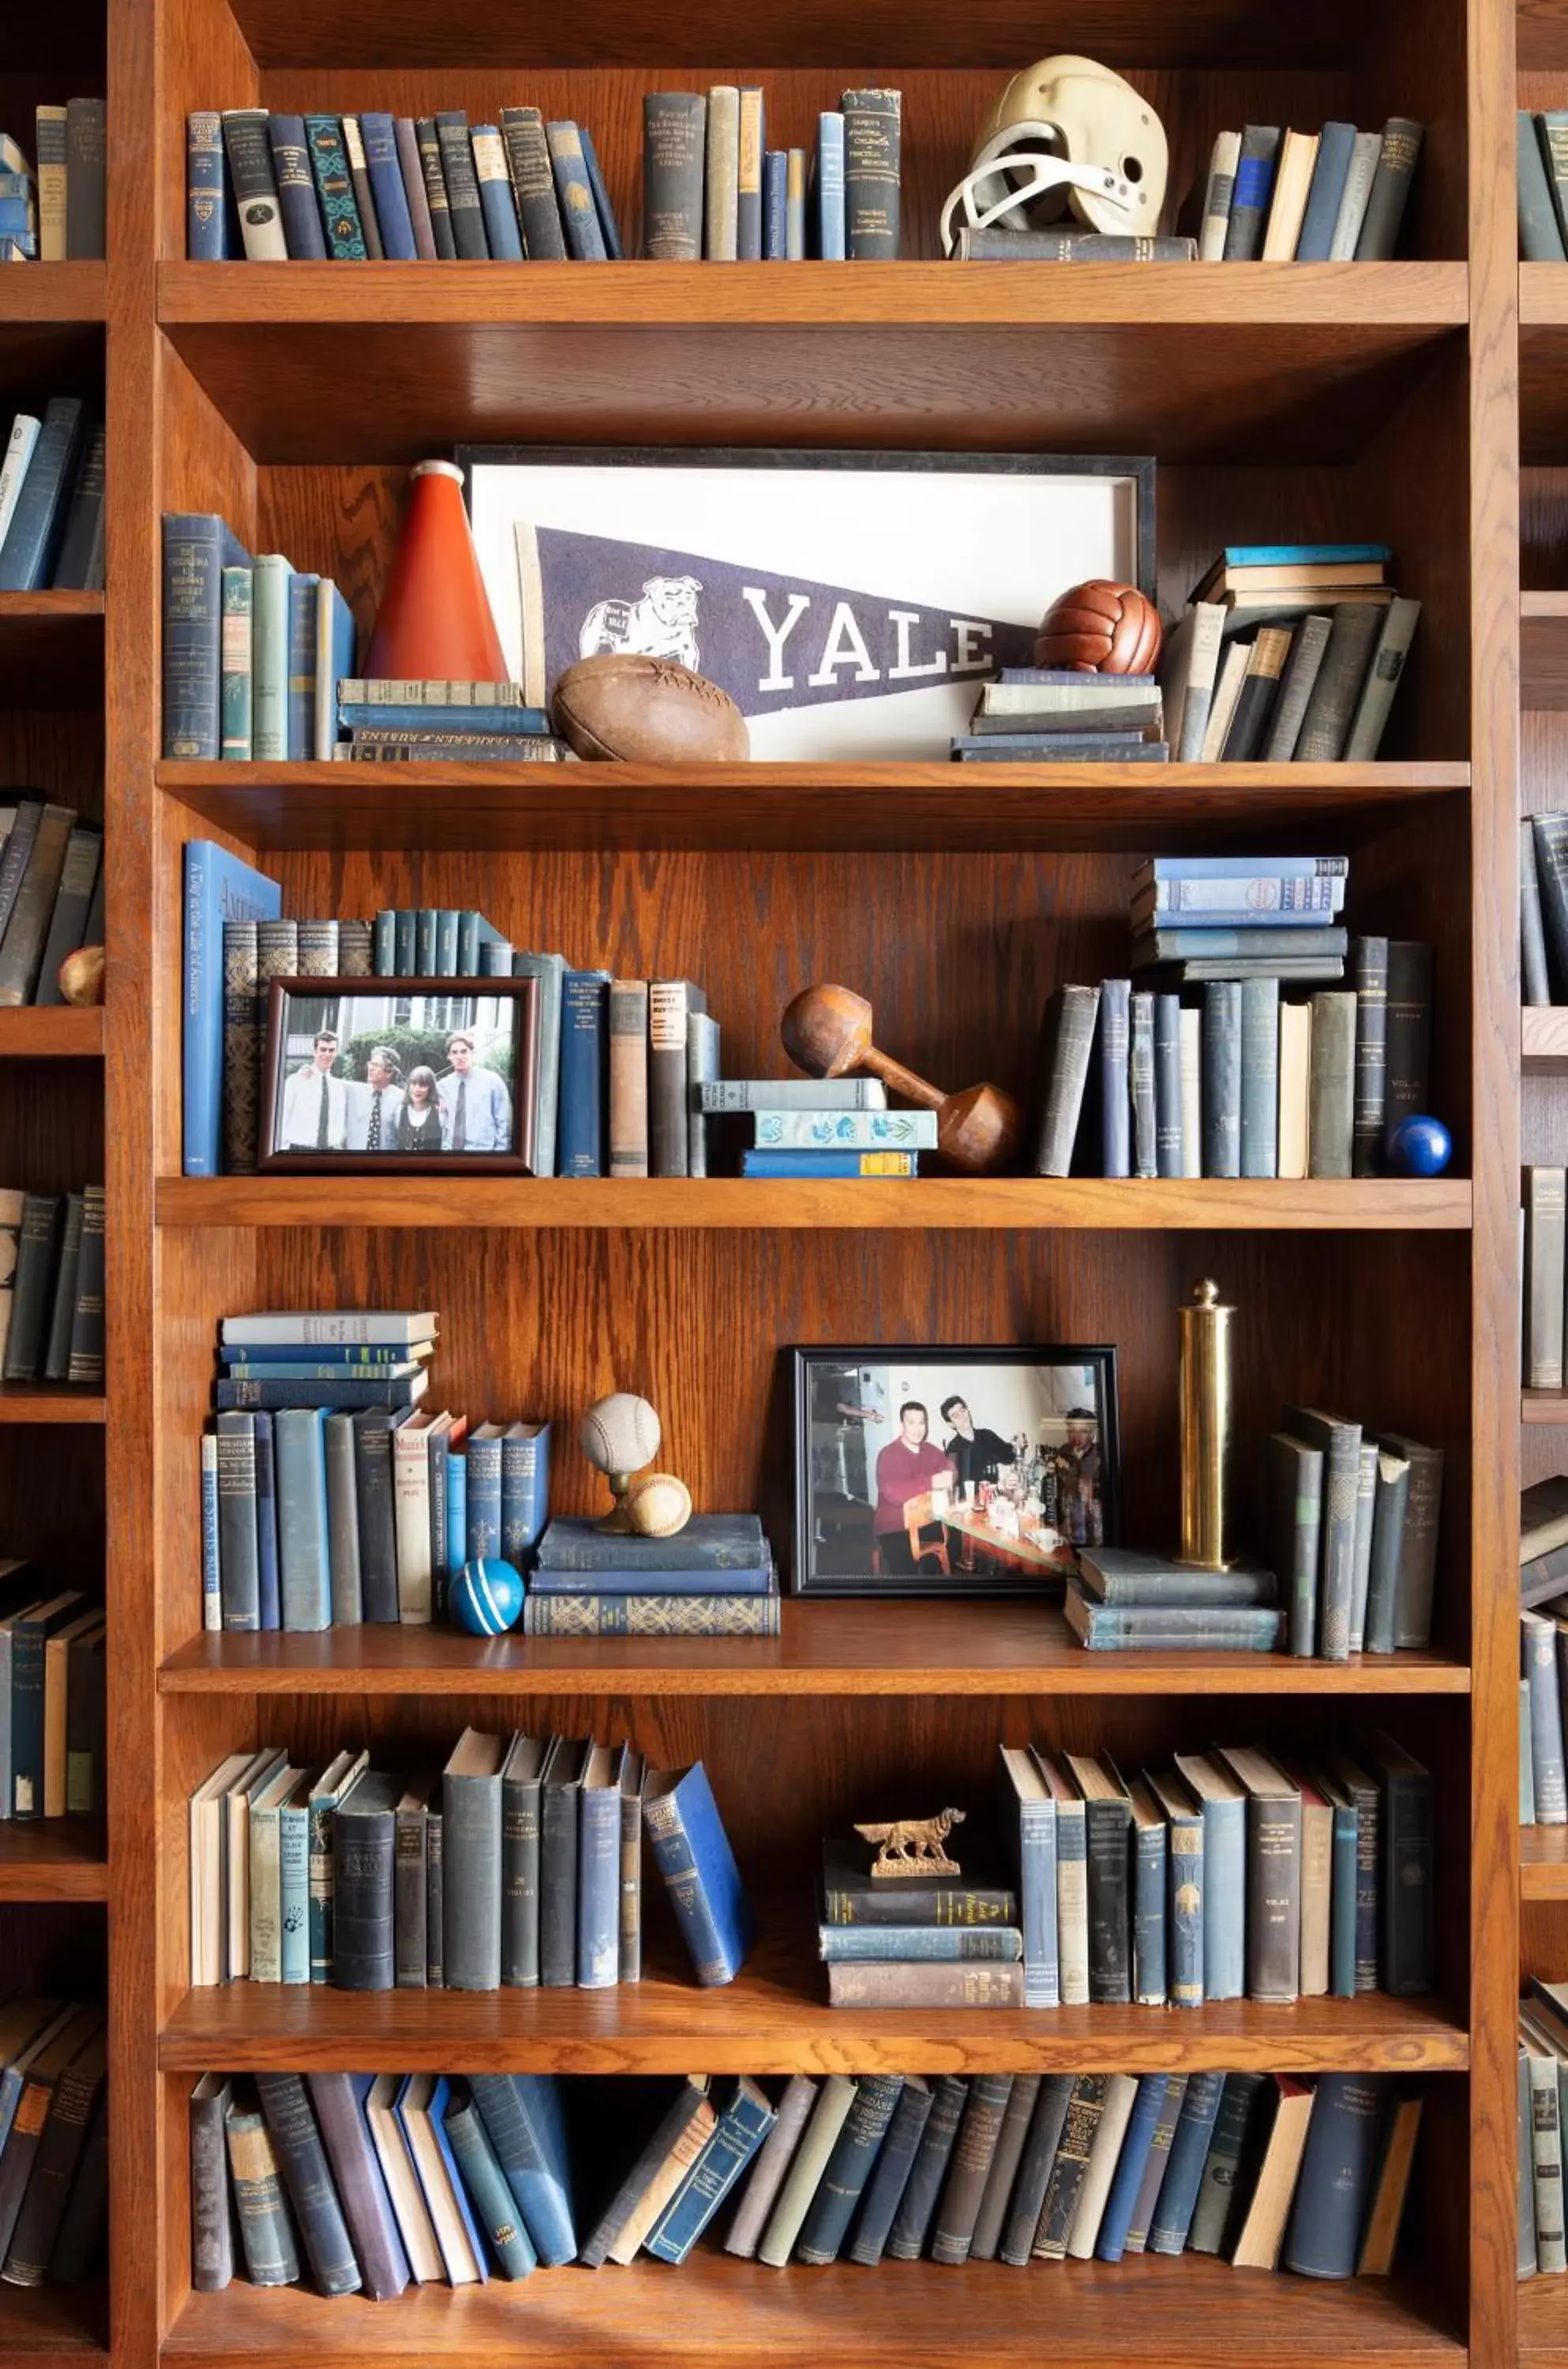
(1206, 1294)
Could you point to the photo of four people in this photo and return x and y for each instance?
(395, 1072)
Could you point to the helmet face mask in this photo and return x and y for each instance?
(1065, 136)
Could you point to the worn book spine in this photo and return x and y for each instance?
(212, 2220)
(674, 141)
(1219, 198)
(238, 1562)
(1141, 1079)
(739, 2133)
(1383, 676)
(598, 1887)
(255, 189)
(1361, 1569)
(342, 1522)
(1418, 1548)
(430, 146)
(574, 193)
(48, 123)
(1059, 2208)
(1016, 2122)
(435, 1901)
(1331, 1126)
(415, 195)
(1391, 191)
(748, 177)
(1217, 2188)
(37, 521)
(1409, 1034)
(721, 179)
(1273, 1897)
(628, 1054)
(1307, 646)
(1253, 191)
(534, 184)
(360, 180)
(1335, 148)
(1110, 1955)
(1068, 247)
(848, 2169)
(1391, 1506)
(1535, 978)
(80, 565)
(296, 189)
(1150, 1854)
(378, 133)
(1156, 2165)
(373, 1483)
(1407, 1883)
(1368, 1882)
(828, 2115)
(471, 1881)
(338, 2100)
(1523, 2194)
(557, 1883)
(334, 188)
(906, 2240)
(492, 2200)
(496, 198)
(1110, 2243)
(1260, 1077)
(1224, 1894)
(670, 1004)
(57, 1340)
(267, 2239)
(872, 140)
(1027, 2196)
(1190, 1024)
(1067, 1038)
(925, 1983)
(86, 163)
(522, 2115)
(1185, 1880)
(894, 2167)
(302, 2161)
(408, 1897)
(774, 2161)
(21, 951)
(1168, 1145)
(1545, 2158)
(1296, 1498)
(1223, 1079)
(1325, 727)
(1173, 2213)
(828, 188)
(466, 212)
(235, 688)
(1369, 969)
(363, 1923)
(973, 2153)
(1337, 2165)
(1073, 1904)
(607, 1614)
(1260, 691)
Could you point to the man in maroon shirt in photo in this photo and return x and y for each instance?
(905, 1469)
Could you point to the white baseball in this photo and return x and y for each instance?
(657, 1505)
(620, 1434)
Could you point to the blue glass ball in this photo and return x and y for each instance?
(485, 1597)
(1420, 1146)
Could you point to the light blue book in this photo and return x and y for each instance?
(302, 590)
(219, 888)
(211, 1567)
(1029, 1824)
(1303, 554)
(457, 1511)
(1224, 1873)
(550, 970)
(1128, 2178)
(828, 196)
(334, 660)
(304, 1573)
(734, 2140)
(522, 2119)
(270, 659)
(293, 1886)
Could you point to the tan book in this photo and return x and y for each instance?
(722, 174)
(1100, 2170)
(1295, 1088)
(253, 1777)
(56, 1668)
(206, 1813)
(1227, 692)
(1263, 2231)
(415, 2226)
(828, 2116)
(1317, 1863)
(628, 1077)
(452, 2235)
(50, 158)
(1389, 2188)
(682, 2154)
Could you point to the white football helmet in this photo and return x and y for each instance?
(1066, 134)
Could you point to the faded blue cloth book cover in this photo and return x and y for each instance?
(698, 1867)
(219, 888)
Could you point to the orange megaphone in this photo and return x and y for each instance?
(434, 622)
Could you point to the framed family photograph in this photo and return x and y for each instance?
(952, 1471)
(849, 602)
(412, 1074)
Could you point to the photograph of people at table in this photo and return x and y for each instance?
(947, 1471)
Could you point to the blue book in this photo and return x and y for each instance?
(1113, 1031)
(206, 216)
(469, 924)
(585, 1027)
(894, 1164)
(446, 942)
(828, 207)
(361, 714)
(302, 667)
(709, 1542)
(1337, 2164)
(730, 2145)
(599, 1869)
(384, 941)
(483, 2178)
(646, 1579)
(1184, 2174)
(1343, 1860)
(1336, 145)
(1224, 1873)
(608, 228)
(1302, 554)
(269, 656)
(775, 206)
(350, 1392)
(483, 1527)
(457, 1511)
(197, 547)
(38, 523)
(293, 1889)
(1067, 678)
(495, 200)
(1183, 1884)
(239, 1368)
(268, 1590)
(295, 1358)
(436, 2110)
(525, 1488)
(334, 660)
(574, 194)
(298, 207)
(405, 932)
(1128, 2178)
(1030, 1827)
(693, 1854)
(523, 2121)
(550, 970)
(1150, 1876)
(849, 2168)
(1247, 867)
(211, 1567)
(379, 135)
(425, 942)
(299, 1439)
(945, 1945)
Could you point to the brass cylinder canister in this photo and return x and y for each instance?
(1204, 1388)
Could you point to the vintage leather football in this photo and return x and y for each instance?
(648, 712)
(1100, 628)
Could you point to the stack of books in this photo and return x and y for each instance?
(52, 1700)
(715, 1578)
(53, 2143)
(52, 897)
(52, 1287)
(1203, 917)
(1333, 196)
(362, 2183)
(1543, 185)
(1543, 2117)
(1208, 1067)
(461, 723)
(713, 190)
(817, 1127)
(358, 188)
(329, 1498)
(1121, 1601)
(51, 482)
(918, 1939)
(58, 215)
(1053, 716)
(1289, 653)
(1355, 1520)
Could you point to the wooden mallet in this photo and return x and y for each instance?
(827, 1033)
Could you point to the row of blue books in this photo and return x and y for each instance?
(714, 191)
(372, 2184)
(51, 487)
(253, 649)
(354, 189)
(329, 1497)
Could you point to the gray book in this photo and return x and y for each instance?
(238, 1556)
(1331, 1110)
(1273, 1875)
(1537, 982)
(21, 949)
(767, 2173)
(1369, 971)
(1224, 1804)
(471, 1873)
(1301, 669)
(342, 1522)
(1034, 2168)
(1361, 1570)
(917, 2206)
(1538, 1647)
(1216, 2190)
(1383, 676)
(674, 139)
(828, 2117)
(1223, 1079)
(560, 1779)
(1391, 191)
(1140, 1080)
(435, 1901)
(410, 1834)
(57, 1344)
(68, 922)
(1296, 1488)
(1341, 1445)
(1168, 1136)
(1113, 1031)
(632, 1779)
(702, 1070)
(1524, 2199)
(1390, 1504)
(1545, 1207)
(998, 2190)
(1418, 1549)
(212, 2234)
(895, 2163)
(550, 970)
(306, 1588)
(1526, 1757)
(519, 1860)
(1260, 1077)
(1067, 1035)
(1331, 710)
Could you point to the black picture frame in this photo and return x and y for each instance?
(521, 997)
(839, 1548)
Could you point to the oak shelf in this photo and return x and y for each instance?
(1303, 360)
(1543, 1406)
(825, 1648)
(774, 2019)
(734, 2313)
(842, 806)
(50, 1403)
(43, 2325)
(1543, 2324)
(1543, 1039)
(870, 1204)
(52, 1032)
(1543, 650)
(51, 643)
(54, 292)
(1543, 1863)
(53, 1859)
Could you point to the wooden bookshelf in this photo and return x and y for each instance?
(52, 1032)
(51, 643)
(53, 1859)
(1543, 1041)
(50, 1403)
(41, 2325)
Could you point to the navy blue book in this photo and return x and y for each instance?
(693, 1855)
(301, 703)
(1131, 2163)
(354, 1391)
(884, 2189)
(38, 523)
(848, 2167)
(775, 204)
(206, 216)
(522, 2119)
(298, 205)
(198, 546)
(219, 888)
(379, 135)
(727, 1543)
(585, 1029)
(1324, 2235)
(1150, 1879)
(269, 1592)
(483, 1533)
(1189, 2152)
(525, 1489)
(608, 228)
(728, 2148)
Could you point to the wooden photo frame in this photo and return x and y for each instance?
(366, 1107)
(849, 602)
(1017, 1464)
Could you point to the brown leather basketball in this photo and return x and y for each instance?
(1100, 628)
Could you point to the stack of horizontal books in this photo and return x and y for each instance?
(919, 1939)
(715, 1578)
(1053, 716)
(389, 719)
(821, 1127)
(1121, 1601)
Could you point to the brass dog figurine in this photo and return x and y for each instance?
(913, 1845)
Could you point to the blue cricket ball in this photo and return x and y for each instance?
(1420, 1146)
(485, 1597)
